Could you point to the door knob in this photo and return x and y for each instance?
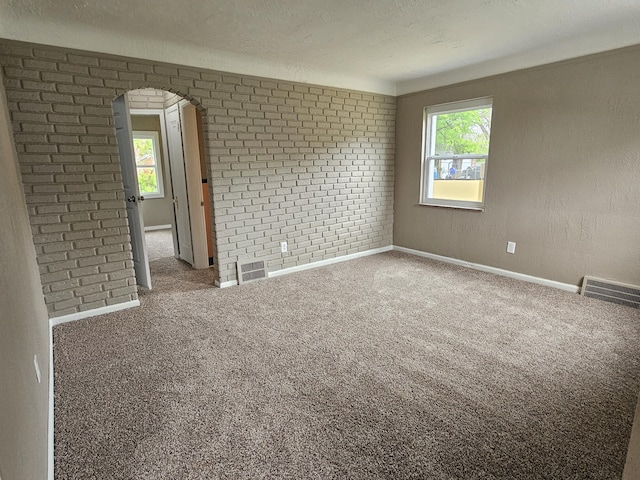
(131, 198)
(141, 198)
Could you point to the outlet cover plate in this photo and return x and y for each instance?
(511, 247)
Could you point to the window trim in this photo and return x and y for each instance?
(426, 158)
(155, 140)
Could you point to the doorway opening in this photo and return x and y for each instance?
(161, 146)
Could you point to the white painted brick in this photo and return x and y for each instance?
(282, 156)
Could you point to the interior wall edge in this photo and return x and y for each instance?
(329, 261)
(632, 466)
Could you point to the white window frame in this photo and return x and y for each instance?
(428, 158)
(155, 141)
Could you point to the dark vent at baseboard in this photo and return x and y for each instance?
(611, 291)
(251, 270)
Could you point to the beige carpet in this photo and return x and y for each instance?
(388, 366)
(159, 244)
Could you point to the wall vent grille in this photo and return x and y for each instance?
(251, 270)
(611, 291)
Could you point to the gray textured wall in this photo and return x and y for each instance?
(307, 164)
(24, 328)
(563, 174)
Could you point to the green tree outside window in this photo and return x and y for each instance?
(147, 155)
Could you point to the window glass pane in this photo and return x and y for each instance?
(145, 155)
(147, 180)
(459, 179)
(462, 132)
(148, 161)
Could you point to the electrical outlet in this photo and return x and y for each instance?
(37, 367)
(511, 247)
(283, 247)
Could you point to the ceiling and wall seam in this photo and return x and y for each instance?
(377, 46)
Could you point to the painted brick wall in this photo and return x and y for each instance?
(170, 99)
(308, 164)
(152, 98)
(146, 98)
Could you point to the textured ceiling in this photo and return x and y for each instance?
(387, 46)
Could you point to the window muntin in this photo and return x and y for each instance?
(455, 153)
(147, 154)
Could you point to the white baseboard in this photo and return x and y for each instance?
(230, 283)
(329, 261)
(50, 439)
(72, 317)
(309, 266)
(567, 287)
(157, 227)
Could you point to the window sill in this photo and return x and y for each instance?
(456, 207)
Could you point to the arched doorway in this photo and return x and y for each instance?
(161, 146)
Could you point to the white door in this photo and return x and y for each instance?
(194, 184)
(179, 182)
(131, 191)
